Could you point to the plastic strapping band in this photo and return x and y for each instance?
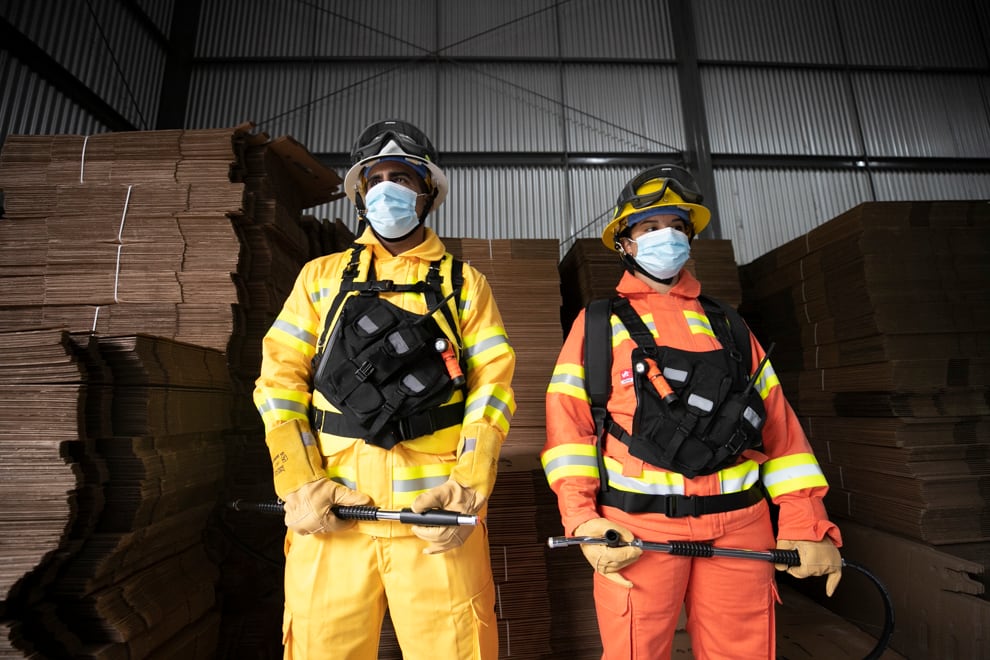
(82, 159)
(120, 245)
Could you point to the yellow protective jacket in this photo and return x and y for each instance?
(788, 467)
(392, 478)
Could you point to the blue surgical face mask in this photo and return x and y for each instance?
(662, 253)
(391, 209)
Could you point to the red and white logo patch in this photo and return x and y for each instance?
(626, 376)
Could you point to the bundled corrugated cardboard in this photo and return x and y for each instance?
(882, 322)
(883, 329)
(194, 237)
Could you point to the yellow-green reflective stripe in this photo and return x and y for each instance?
(276, 404)
(791, 473)
(294, 331)
(650, 482)
(739, 477)
(570, 460)
(698, 323)
(486, 348)
(767, 380)
(343, 475)
(496, 405)
(620, 332)
(568, 379)
(420, 477)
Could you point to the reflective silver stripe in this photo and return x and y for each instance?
(774, 477)
(413, 485)
(637, 486)
(345, 482)
(485, 402)
(469, 445)
(567, 379)
(485, 345)
(701, 323)
(570, 460)
(742, 483)
(750, 416)
(700, 402)
(675, 375)
(320, 294)
(295, 331)
(283, 404)
(620, 327)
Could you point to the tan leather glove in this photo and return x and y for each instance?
(296, 457)
(307, 509)
(452, 496)
(817, 558)
(605, 560)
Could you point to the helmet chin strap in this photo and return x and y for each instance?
(633, 266)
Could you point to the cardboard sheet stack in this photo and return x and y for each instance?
(882, 323)
(111, 467)
(171, 252)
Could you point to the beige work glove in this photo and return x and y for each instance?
(817, 558)
(605, 560)
(307, 509)
(451, 496)
(296, 457)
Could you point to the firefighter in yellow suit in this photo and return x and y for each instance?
(336, 438)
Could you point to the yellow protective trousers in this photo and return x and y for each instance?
(729, 602)
(338, 586)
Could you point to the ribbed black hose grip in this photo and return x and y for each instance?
(272, 508)
(691, 549)
(356, 512)
(788, 557)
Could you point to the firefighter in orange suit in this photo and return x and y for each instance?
(361, 408)
(663, 464)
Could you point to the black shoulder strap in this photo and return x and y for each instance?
(346, 285)
(434, 292)
(597, 373)
(598, 356)
(431, 288)
(633, 323)
(731, 331)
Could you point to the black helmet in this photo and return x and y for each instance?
(394, 138)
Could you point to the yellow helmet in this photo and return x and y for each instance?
(657, 187)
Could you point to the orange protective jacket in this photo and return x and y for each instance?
(787, 468)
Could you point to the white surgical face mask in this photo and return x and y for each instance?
(391, 209)
(662, 253)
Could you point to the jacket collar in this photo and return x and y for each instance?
(431, 249)
(687, 287)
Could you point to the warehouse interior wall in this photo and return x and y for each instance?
(787, 113)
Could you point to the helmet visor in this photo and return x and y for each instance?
(412, 141)
(684, 186)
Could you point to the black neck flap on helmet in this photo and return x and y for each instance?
(674, 178)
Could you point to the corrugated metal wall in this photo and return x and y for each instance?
(543, 109)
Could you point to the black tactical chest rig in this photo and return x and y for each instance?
(696, 412)
(386, 369)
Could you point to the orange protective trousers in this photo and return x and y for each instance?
(729, 602)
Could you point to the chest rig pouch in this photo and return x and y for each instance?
(385, 368)
(696, 412)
